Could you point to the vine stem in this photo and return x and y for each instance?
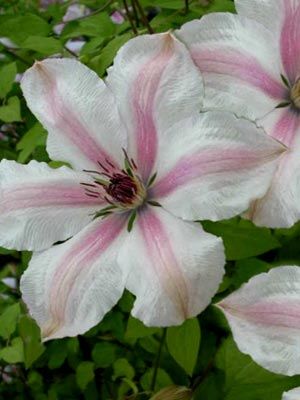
(158, 357)
(186, 3)
(143, 16)
(133, 27)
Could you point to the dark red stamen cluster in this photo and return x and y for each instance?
(122, 188)
(117, 186)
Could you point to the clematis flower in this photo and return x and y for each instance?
(251, 66)
(293, 394)
(144, 160)
(264, 316)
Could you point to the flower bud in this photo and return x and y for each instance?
(173, 393)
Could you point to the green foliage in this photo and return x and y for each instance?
(120, 357)
(245, 379)
(242, 239)
(183, 344)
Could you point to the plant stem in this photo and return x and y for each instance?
(186, 3)
(158, 357)
(133, 27)
(12, 52)
(136, 17)
(143, 16)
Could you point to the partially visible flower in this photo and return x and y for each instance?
(145, 161)
(173, 393)
(18, 78)
(10, 282)
(251, 66)
(8, 43)
(75, 45)
(117, 17)
(293, 394)
(73, 12)
(44, 4)
(264, 315)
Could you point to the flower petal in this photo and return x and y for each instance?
(289, 39)
(216, 168)
(40, 205)
(239, 61)
(293, 394)
(269, 13)
(174, 268)
(280, 207)
(156, 84)
(78, 111)
(264, 315)
(281, 18)
(69, 288)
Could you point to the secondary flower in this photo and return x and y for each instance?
(264, 315)
(251, 66)
(293, 394)
(134, 142)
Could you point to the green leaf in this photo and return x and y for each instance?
(43, 45)
(242, 239)
(36, 136)
(11, 112)
(84, 374)
(122, 368)
(58, 352)
(246, 269)
(100, 26)
(14, 353)
(244, 379)
(8, 320)
(7, 77)
(183, 344)
(163, 379)
(18, 28)
(30, 333)
(101, 62)
(104, 354)
(136, 329)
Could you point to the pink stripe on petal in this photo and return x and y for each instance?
(48, 196)
(77, 261)
(143, 96)
(289, 41)
(193, 167)
(280, 313)
(240, 66)
(65, 120)
(286, 127)
(164, 261)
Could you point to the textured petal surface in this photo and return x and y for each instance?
(281, 18)
(240, 63)
(293, 394)
(156, 84)
(215, 168)
(40, 205)
(280, 207)
(264, 315)
(173, 267)
(69, 288)
(78, 111)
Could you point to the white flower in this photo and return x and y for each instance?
(134, 141)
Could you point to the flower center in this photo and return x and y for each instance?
(122, 189)
(125, 191)
(295, 94)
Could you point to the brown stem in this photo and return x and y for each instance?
(186, 3)
(135, 13)
(143, 16)
(129, 17)
(157, 361)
